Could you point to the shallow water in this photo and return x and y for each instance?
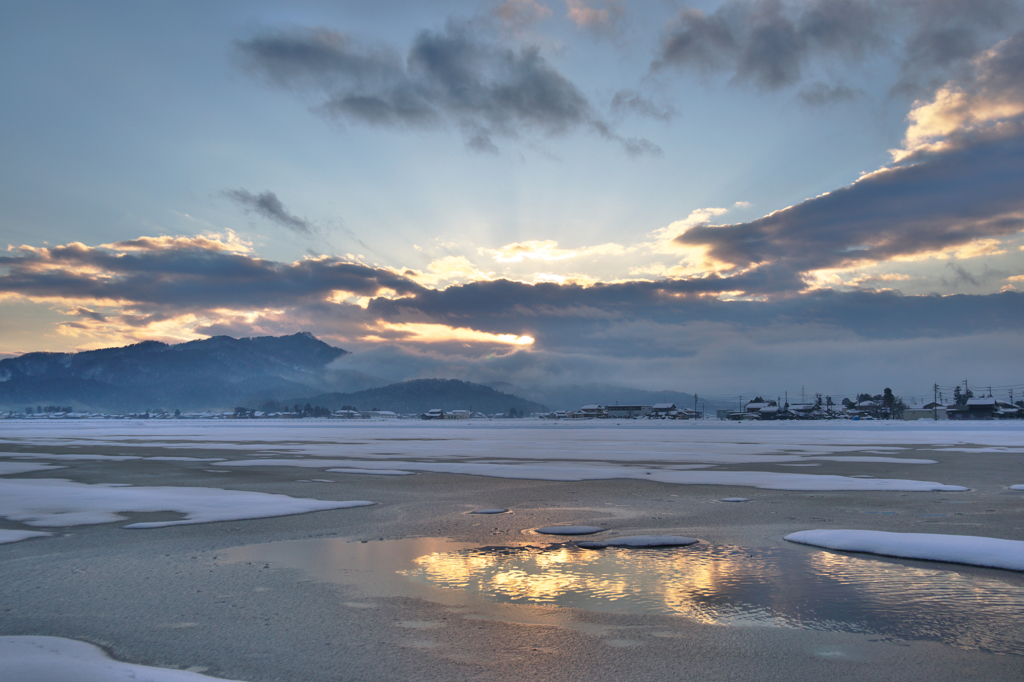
(781, 587)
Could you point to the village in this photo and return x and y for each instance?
(884, 406)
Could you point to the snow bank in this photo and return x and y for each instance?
(640, 541)
(957, 549)
(15, 535)
(489, 511)
(1017, 487)
(57, 502)
(53, 659)
(570, 530)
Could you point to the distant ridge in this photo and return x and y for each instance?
(217, 372)
(419, 395)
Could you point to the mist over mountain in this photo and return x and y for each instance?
(573, 396)
(210, 373)
(419, 395)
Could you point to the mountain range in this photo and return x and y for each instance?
(210, 373)
(223, 372)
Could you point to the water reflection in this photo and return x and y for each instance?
(730, 585)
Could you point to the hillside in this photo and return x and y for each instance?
(419, 395)
(209, 373)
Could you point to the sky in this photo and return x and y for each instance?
(712, 197)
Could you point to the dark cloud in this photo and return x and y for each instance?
(769, 43)
(945, 200)
(820, 94)
(448, 78)
(631, 101)
(947, 33)
(90, 314)
(270, 207)
(182, 277)
(766, 43)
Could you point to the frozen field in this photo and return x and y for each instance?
(166, 543)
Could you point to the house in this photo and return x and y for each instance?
(628, 411)
(755, 407)
(983, 408)
(915, 412)
(589, 412)
(457, 414)
(662, 410)
(433, 414)
(742, 416)
(806, 410)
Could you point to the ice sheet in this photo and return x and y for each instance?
(55, 659)
(958, 549)
(57, 502)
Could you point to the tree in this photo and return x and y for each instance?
(888, 401)
(961, 397)
(177, 414)
(847, 403)
(863, 397)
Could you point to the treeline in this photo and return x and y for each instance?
(272, 406)
(48, 409)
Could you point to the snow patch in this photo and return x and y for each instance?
(49, 659)
(640, 541)
(58, 502)
(489, 511)
(15, 535)
(735, 499)
(957, 549)
(1017, 487)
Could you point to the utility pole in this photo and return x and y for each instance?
(935, 402)
(695, 404)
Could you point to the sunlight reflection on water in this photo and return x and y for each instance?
(734, 586)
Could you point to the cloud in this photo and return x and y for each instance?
(597, 15)
(984, 102)
(178, 274)
(633, 102)
(447, 79)
(660, 334)
(548, 250)
(270, 207)
(519, 14)
(956, 190)
(820, 94)
(770, 44)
